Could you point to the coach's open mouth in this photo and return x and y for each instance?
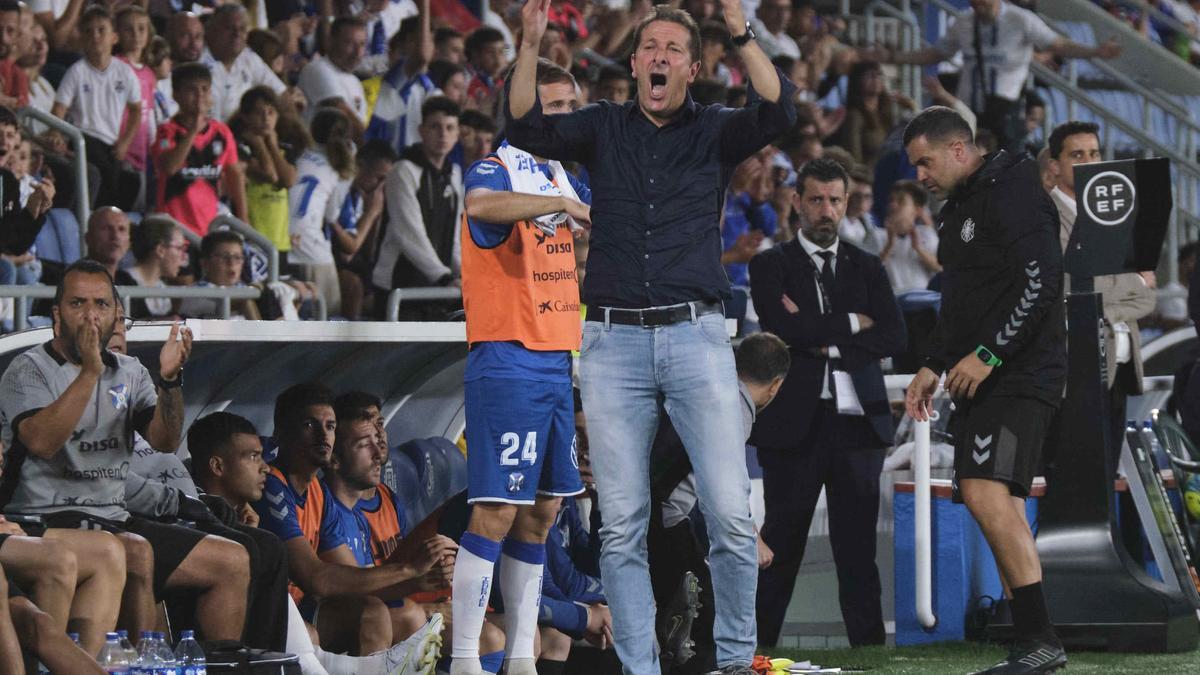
(658, 86)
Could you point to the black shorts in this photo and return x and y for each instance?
(171, 543)
(1000, 438)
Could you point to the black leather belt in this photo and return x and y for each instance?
(653, 318)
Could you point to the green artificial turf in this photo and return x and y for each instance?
(963, 657)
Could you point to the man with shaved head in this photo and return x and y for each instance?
(185, 34)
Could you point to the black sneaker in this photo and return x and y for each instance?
(675, 625)
(1029, 657)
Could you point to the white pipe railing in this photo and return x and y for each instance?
(22, 294)
(923, 538)
(425, 294)
(82, 196)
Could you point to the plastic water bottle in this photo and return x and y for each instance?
(189, 657)
(130, 653)
(166, 657)
(112, 658)
(147, 656)
(1157, 451)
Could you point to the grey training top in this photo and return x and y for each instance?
(88, 473)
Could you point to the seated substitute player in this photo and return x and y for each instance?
(522, 306)
(228, 457)
(296, 507)
(388, 524)
(356, 466)
(69, 409)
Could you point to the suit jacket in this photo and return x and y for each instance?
(860, 286)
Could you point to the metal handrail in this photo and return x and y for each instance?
(911, 77)
(259, 240)
(83, 210)
(226, 294)
(429, 294)
(1169, 106)
(1162, 17)
(1183, 163)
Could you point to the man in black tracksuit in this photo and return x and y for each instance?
(999, 339)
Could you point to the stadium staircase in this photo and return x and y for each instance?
(1147, 101)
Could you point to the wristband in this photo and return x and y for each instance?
(987, 356)
(171, 384)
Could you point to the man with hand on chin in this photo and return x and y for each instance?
(1000, 336)
(655, 331)
(69, 409)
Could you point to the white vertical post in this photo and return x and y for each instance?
(924, 536)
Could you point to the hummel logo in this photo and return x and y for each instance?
(279, 514)
(276, 498)
(981, 443)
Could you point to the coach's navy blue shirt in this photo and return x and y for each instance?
(656, 191)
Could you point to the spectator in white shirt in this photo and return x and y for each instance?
(770, 26)
(1006, 36)
(382, 19)
(406, 86)
(41, 92)
(910, 255)
(94, 94)
(332, 76)
(235, 68)
(315, 201)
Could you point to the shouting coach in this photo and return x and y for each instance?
(999, 339)
(655, 330)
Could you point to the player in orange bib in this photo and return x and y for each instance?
(522, 305)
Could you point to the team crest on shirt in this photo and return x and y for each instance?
(968, 230)
(218, 145)
(119, 396)
(516, 481)
(119, 86)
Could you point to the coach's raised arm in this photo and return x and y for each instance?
(665, 61)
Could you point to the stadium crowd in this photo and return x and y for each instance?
(342, 132)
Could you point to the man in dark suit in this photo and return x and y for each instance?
(831, 423)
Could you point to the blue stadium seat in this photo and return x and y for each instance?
(405, 481)
(59, 239)
(441, 471)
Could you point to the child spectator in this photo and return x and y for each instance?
(95, 94)
(448, 45)
(452, 79)
(133, 35)
(325, 171)
(361, 211)
(158, 57)
(222, 255)
(41, 92)
(269, 48)
(195, 155)
(476, 135)
(910, 255)
(14, 83)
(487, 59)
(160, 251)
(24, 163)
(269, 166)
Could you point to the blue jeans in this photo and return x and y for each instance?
(625, 371)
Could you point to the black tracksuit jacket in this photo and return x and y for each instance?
(1002, 282)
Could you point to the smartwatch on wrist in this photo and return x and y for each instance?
(987, 356)
(745, 38)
